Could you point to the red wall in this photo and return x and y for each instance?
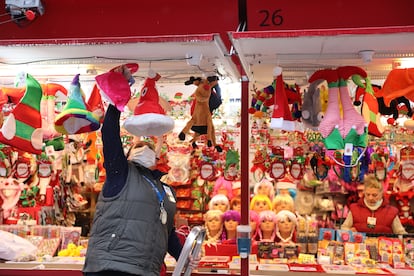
(265, 15)
(97, 18)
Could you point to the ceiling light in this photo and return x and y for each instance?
(366, 55)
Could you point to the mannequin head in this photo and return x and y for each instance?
(264, 187)
(235, 203)
(254, 223)
(267, 226)
(283, 202)
(231, 219)
(260, 203)
(286, 223)
(213, 222)
(219, 202)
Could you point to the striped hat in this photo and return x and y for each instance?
(75, 118)
(23, 127)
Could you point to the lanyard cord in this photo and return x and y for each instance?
(159, 195)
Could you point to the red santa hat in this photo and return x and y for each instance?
(285, 183)
(114, 86)
(282, 117)
(23, 127)
(149, 117)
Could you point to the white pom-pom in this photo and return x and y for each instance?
(277, 71)
(151, 73)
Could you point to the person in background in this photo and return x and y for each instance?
(373, 213)
(133, 226)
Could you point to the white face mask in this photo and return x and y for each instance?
(143, 156)
(373, 206)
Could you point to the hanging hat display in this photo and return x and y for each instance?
(149, 117)
(23, 127)
(115, 84)
(281, 117)
(47, 109)
(95, 104)
(75, 118)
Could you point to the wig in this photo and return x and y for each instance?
(260, 198)
(219, 199)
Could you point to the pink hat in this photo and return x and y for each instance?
(114, 85)
(149, 117)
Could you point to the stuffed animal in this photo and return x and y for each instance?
(312, 109)
(393, 108)
(201, 121)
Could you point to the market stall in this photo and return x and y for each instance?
(252, 143)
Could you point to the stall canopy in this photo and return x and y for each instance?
(300, 53)
(173, 57)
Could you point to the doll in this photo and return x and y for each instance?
(219, 202)
(266, 232)
(235, 203)
(286, 223)
(283, 202)
(264, 187)
(231, 219)
(254, 223)
(213, 222)
(260, 203)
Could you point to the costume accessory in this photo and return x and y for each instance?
(115, 84)
(75, 118)
(23, 127)
(149, 117)
(281, 117)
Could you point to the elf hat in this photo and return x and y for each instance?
(23, 127)
(75, 118)
(115, 84)
(149, 117)
(281, 117)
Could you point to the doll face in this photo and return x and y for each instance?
(213, 224)
(260, 205)
(263, 190)
(267, 226)
(230, 225)
(285, 226)
(236, 206)
(222, 206)
(282, 206)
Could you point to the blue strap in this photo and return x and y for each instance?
(159, 195)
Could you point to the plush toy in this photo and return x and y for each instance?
(201, 121)
(312, 109)
(374, 103)
(350, 128)
(371, 109)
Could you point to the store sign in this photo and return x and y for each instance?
(270, 15)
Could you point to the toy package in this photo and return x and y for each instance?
(409, 251)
